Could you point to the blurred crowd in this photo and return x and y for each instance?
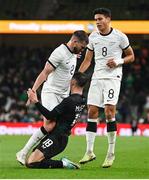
(19, 68)
(21, 65)
(64, 9)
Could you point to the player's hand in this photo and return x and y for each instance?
(28, 102)
(32, 96)
(111, 63)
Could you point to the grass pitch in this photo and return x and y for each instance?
(132, 160)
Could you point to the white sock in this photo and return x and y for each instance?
(111, 141)
(90, 139)
(38, 135)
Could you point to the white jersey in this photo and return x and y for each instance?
(64, 62)
(106, 47)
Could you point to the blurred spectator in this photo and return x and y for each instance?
(134, 126)
(145, 118)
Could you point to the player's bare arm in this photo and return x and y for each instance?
(129, 58)
(41, 78)
(87, 61)
(32, 96)
(129, 55)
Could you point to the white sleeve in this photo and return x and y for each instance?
(55, 58)
(90, 44)
(124, 42)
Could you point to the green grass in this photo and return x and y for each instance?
(132, 160)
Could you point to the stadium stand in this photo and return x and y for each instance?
(64, 9)
(19, 9)
(18, 65)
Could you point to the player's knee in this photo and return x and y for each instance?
(93, 112)
(31, 163)
(109, 116)
(49, 125)
(34, 157)
(29, 160)
(28, 163)
(109, 112)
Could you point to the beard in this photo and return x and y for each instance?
(75, 50)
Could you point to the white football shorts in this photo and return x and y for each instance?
(50, 100)
(104, 91)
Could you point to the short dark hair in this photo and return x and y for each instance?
(81, 35)
(105, 11)
(81, 78)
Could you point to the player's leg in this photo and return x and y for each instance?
(49, 147)
(111, 134)
(35, 156)
(36, 137)
(37, 160)
(112, 89)
(49, 100)
(94, 101)
(91, 130)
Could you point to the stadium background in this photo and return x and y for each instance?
(23, 54)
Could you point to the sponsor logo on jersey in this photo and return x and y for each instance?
(79, 108)
(67, 62)
(108, 100)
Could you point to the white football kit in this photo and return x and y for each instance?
(57, 85)
(105, 84)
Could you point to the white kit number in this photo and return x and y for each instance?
(47, 143)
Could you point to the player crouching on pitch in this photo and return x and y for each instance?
(65, 115)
